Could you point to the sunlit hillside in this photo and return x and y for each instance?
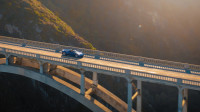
(31, 20)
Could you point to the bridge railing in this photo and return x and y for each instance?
(101, 68)
(10, 39)
(143, 61)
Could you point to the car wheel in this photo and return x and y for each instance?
(63, 53)
(76, 56)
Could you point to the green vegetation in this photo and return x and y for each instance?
(30, 19)
(47, 17)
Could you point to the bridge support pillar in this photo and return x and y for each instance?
(52, 67)
(82, 83)
(94, 78)
(139, 96)
(18, 61)
(129, 98)
(185, 100)
(41, 67)
(180, 99)
(44, 67)
(7, 59)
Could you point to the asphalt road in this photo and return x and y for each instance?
(109, 63)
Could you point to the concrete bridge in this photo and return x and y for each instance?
(43, 62)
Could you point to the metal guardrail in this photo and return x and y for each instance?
(102, 68)
(143, 61)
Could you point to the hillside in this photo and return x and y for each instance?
(31, 20)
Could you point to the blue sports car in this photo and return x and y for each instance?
(73, 53)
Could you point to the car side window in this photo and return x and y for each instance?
(72, 52)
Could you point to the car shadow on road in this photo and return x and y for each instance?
(70, 57)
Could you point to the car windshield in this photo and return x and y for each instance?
(78, 52)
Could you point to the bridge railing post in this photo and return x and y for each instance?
(187, 68)
(57, 49)
(128, 72)
(129, 97)
(24, 43)
(97, 55)
(179, 82)
(82, 83)
(141, 61)
(79, 64)
(139, 96)
(37, 56)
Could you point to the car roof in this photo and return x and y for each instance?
(66, 49)
(69, 49)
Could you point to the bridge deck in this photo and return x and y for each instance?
(108, 63)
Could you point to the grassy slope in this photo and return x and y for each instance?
(29, 15)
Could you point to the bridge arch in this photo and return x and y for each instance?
(52, 83)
